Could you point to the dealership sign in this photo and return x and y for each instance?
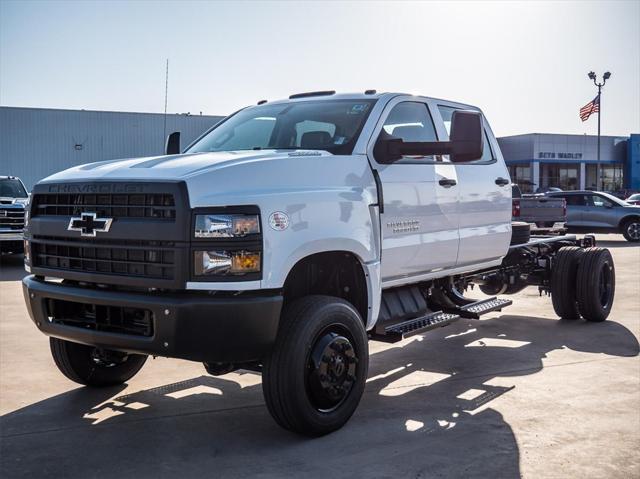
(567, 156)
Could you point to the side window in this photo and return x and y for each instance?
(601, 202)
(447, 112)
(574, 200)
(411, 122)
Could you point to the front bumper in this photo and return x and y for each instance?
(193, 326)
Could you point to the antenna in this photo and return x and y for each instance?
(166, 94)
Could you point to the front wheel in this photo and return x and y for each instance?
(91, 366)
(631, 230)
(315, 376)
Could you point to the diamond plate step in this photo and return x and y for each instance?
(398, 331)
(477, 309)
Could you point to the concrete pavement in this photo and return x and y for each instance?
(518, 393)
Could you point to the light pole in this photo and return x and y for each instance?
(605, 77)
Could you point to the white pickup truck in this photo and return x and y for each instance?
(284, 239)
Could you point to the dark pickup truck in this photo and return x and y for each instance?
(540, 209)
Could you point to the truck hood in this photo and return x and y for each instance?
(173, 167)
(241, 177)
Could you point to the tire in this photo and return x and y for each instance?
(520, 232)
(631, 230)
(81, 364)
(596, 284)
(544, 224)
(298, 375)
(563, 282)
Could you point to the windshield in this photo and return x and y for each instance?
(634, 197)
(12, 188)
(331, 125)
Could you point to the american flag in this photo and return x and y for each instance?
(592, 107)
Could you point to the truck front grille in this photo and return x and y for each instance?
(11, 218)
(111, 319)
(142, 259)
(137, 205)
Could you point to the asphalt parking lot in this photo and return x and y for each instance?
(518, 393)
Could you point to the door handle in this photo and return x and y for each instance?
(502, 181)
(447, 183)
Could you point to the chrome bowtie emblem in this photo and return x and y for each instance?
(89, 225)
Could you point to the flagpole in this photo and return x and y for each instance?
(599, 180)
(605, 77)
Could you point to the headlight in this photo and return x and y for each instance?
(226, 262)
(226, 226)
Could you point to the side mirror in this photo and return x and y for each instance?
(172, 147)
(466, 137)
(466, 142)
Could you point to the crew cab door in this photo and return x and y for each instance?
(600, 212)
(419, 215)
(484, 189)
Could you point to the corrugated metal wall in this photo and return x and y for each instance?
(37, 142)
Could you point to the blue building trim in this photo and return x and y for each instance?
(632, 173)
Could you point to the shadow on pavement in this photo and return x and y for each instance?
(12, 267)
(426, 412)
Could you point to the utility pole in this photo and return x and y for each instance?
(166, 93)
(605, 77)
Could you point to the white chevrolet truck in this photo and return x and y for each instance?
(285, 238)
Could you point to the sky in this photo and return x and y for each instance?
(524, 63)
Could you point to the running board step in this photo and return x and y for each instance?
(477, 309)
(398, 331)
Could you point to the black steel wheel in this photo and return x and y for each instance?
(563, 282)
(315, 376)
(631, 230)
(596, 284)
(331, 369)
(95, 367)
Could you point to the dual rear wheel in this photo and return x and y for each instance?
(583, 283)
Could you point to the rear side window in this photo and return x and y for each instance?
(574, 200)
(447, 112)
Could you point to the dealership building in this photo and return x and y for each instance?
(541, 160)
(37, 142)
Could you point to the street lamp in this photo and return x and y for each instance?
(605, 77)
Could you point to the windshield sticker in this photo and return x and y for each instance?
(358, 109)
(339, 140)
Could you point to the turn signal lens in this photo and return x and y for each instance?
(224, 262)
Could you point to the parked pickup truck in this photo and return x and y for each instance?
(13, 198)
(284, 239)
(540, 209)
